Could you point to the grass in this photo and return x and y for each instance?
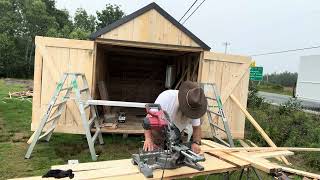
(277, 89)
(15, 120)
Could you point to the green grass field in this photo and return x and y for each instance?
(277, 89)
(15, 120)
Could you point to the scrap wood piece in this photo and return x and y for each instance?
(257, 126)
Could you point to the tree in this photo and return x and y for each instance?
(22, 20)
(109, 15)
(84, 21)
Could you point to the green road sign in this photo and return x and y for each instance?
(256, 73)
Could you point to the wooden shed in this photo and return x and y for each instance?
(132, 57)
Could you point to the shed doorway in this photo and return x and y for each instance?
(135, 74)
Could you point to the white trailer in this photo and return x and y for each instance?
(308, 83)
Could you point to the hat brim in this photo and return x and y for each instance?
(193, 113)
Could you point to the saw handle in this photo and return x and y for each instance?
(150, 106)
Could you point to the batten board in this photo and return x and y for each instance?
(151, 27)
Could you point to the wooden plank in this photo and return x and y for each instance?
(253, 144)
(210, 56)
(124, 169)
(270, 154)
(148, 45)
(243, 144)
(93, 165)
(265, 149)
(36, 100)
(212, 165)
(64, 43)
(256, 163)
(257, 126)
(212, 144)
(230, 159)
(103, 94)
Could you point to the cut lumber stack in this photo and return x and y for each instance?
(256, 156)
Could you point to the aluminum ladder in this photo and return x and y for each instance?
(215, 107)
(55, 109)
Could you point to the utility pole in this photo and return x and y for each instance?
(226, 44)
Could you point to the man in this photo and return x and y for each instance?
(184, 107)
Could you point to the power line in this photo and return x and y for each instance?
(188, 10)
(194, 11)
(285, 51)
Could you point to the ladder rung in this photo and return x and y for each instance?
(62, 102)
(218, 127)
(214, 113)
(63, 89)
(94, 138)
(222, 141)
(91, 120)
(210, 98)
(47, 132)
(86, 106)
(84, 89)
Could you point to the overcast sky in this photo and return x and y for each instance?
(251, 27)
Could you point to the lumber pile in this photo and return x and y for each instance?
(219, 159)
(20, 95)
(257, 156)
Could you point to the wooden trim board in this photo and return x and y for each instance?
(148, 45)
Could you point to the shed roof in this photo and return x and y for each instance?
(143, 10)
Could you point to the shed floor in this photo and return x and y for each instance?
(132, 126)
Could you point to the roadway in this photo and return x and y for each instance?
(278, 99)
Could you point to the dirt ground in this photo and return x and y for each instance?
(28, 83)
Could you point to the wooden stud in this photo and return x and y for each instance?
(257, 126)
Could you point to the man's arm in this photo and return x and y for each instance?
(148, 141)
(196, 139)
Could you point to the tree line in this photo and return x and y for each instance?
(287, 79)
(22, 20)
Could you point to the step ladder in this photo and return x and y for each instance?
(55, 109)
(215, 108)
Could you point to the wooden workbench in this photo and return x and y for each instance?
(124, 169)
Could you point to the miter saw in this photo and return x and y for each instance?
(172, 153)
